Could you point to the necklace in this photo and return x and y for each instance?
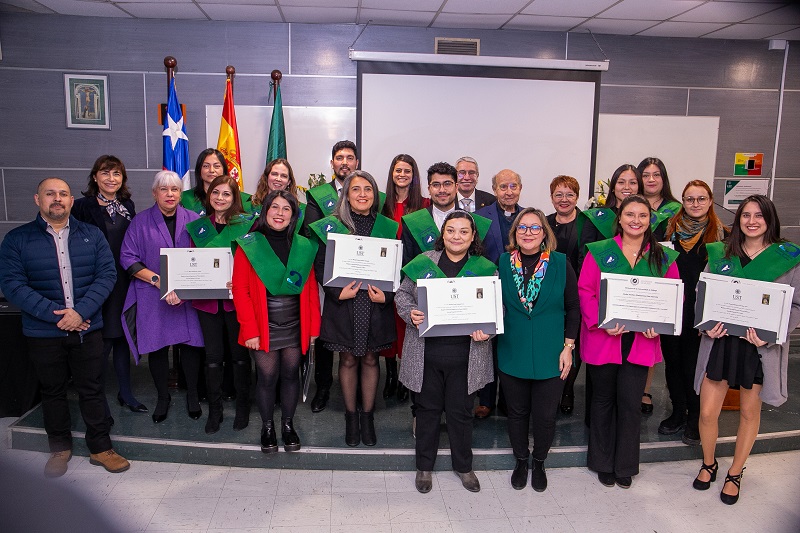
(754, 254)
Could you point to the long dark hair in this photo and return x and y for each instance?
(263, 187)
(261, 224)
(199, 189)
(666, 190)
(414, 197)
(734, 244)
(236, 207)
(108, 162)
(476, 248)
(611, 198)
(657, 256)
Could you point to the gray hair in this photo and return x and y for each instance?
(342, 209)
(467, 159)
(166, 178)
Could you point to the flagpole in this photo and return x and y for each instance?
(230, 71)
(276, 76)
(170, 62)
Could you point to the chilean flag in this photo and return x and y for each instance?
(176, 143)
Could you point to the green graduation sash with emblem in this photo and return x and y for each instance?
(423, 267)
(601, 218)
(279, 279)
(204, 234)
(326, 197)
(384, 228)
(423, 228)
(665, 212)
(769, 265)
(610, 259)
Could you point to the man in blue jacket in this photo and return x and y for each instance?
(59, 271)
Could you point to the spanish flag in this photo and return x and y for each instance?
(228, 142)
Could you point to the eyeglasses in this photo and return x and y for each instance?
(533, 229)
(653, 175)
(564, 196)
(700, 200)
(436, 185)
(508, 187)
(470, 173)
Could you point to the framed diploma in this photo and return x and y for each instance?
(744, 303)
(370, 260)
(459, 306)
(197, 273)
(641, 303)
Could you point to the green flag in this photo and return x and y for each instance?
(276, 146)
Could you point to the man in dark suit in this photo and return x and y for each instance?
(321, 201)
(469, 197)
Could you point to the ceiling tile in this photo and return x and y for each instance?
(234, 2)
(461, 20)
(86, 9)
(536, 22)
(165, 10)
(153, 1)
(751, 31)
(30, 5)
(649, 9)
(320, 15)
(317, 3)
(729, 12)
(615, 27)
(395, 18)
(496, 7)
(681, 29)
(784, 15)
(249, 13)
(403, 5)
(791, 35)
(584, 8)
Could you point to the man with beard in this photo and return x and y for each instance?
(59, 271)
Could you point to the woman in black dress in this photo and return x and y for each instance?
(107, 204)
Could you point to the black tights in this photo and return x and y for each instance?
(270, 365)
(159, 369)
(348, 378)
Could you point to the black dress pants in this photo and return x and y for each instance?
(55, 359)
(214, 327)
(444, 388)
(680, 360)
(323, 366)
(616, 417)
(528, 399)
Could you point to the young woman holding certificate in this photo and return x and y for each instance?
(277, 304)
(445, 372)
(534, 354)
(225, 223)
(617, 360)
(357, 320)
(754, 251)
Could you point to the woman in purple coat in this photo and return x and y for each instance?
(151, 324)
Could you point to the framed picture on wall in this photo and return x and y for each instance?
(87, 101)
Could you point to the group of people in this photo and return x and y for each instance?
(87, 276)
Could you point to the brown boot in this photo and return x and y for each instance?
(110, 460)
(57, 464)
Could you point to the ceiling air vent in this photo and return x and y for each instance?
(460, 47)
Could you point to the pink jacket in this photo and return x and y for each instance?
(597, 346)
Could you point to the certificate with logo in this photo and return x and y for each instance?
(459, 306)
(641, 303)
(197, 273)
(741, 303)
(370, 260)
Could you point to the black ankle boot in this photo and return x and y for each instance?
(368, 429)
(519, 477)
(352, 433)
(291, 442)
(242, 418)
(402, 393)
(538, 476)
(214, 418)
(269, 441)
(390, 389)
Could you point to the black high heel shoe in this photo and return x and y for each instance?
(162, 408)
(567, 403)
(138, 408)
(728, 499)
(193, 414)
(712, 470)
(647, 408)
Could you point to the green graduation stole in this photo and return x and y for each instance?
(326, 197)
(247, 204)
(601, 217)
(384, 228)
(279, 279)
(204, 234)
(423, 228)
(610, 260)
(423, 267)
(769, 265)
(192, 203)
(665, 212)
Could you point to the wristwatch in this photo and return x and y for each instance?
(154, 279)
(570, 345)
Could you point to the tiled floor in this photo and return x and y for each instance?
(181, 497)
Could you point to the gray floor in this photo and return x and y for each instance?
(162, 496)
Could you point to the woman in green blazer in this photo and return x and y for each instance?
(534, 354)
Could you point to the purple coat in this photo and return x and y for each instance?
(158, 324)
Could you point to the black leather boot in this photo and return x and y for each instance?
(352, 433)
(241, 379)
(214, 417)
(269, 441)
(538, 476)
(402, 393)
(368, 429)
(390, 389)
(291, 442)
(519, 477)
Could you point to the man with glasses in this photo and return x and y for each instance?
(470, 199)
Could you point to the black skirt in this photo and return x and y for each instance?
(284, 321)
(736, 361)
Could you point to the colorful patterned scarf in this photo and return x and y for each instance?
(530, 291)
(114, 207)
